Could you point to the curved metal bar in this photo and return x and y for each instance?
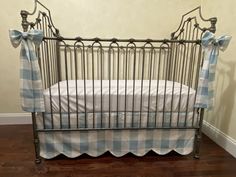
(123, 40)
(35, 7)
(212, 20)
(24, 14)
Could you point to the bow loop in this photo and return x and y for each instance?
(15, 37)
(221, 42)
(27, 38)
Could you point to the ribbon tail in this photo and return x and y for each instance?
(26, 49)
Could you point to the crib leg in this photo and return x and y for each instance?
(197, 144)
(198, 136)
(36, 139)
(37, 156)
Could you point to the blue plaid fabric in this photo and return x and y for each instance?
(30, 79)
(211, 47)
(118, 142)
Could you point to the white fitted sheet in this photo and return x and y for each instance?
(176, 96)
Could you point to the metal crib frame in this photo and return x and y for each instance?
(177, 59)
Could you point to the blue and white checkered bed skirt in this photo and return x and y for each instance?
(117, 142)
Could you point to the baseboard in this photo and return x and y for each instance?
(15, 118)
(223, 140)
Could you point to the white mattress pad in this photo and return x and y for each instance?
(148, 96)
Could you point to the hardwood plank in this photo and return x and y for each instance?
(17, 159)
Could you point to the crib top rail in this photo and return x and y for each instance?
(190, 29)
(131, 40)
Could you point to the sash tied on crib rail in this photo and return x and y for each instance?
(211, 47)
(31, 90)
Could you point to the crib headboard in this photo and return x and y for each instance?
(178, 58)
(193, 25)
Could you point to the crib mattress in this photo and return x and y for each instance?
(164, 95)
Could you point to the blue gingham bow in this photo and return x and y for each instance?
(211, 47)
(33, 36)
(220, 43)
(30, 78)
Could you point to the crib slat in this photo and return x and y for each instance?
(191, 61)
(43, 53)
(55, 61)
(93, 84)
(84, 79)
(166, 74)
(175, 54)
(101, 58)
(198, 56)
(126, 77)
(158, 80)
(109, 85)
(59, 79)
(76, 84)
(183, 57)
(117, 98)
(188, 82)
(134, 69)
(67, 84)
(49, 81)
(150, 83)
(44, 58)
(141, 98)
(188, 71)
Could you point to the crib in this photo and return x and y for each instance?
(118, 95)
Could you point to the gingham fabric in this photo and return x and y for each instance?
(30, 79)
(118, 142)
(211, 47)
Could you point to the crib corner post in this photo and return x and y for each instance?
(36, 139)
(213, 21)
(24, 22)
(198, 136)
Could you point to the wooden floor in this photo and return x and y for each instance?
(17, 160)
